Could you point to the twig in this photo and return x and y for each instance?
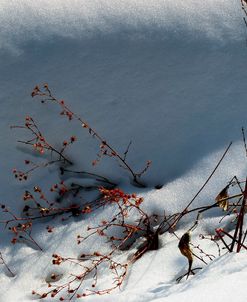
(239, 225)
(244, 140)
(6, 266)
(106, 148)
(192, 272)
(202, 187)
(127, 150)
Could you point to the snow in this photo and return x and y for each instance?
(170, 76)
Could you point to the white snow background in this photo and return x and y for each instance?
(168, 75)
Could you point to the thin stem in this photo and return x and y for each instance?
(203, 186)
(49, 97)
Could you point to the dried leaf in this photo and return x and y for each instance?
(221, 199)
(184, 247)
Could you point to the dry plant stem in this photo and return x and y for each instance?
(239, 227)
(57, 211)
(198, 257)
(24, 228)
(197, 247)
(238, 233)
(35, 166)
(48, 96)
(6, 222)
(192, 272)
(245, 235)
(211, 238)
(2, 261)
(31, 126)
(209, 256)
(205, 208)
(210, 176)
(21, 227)
(31, 240)
(95, 263)
(235, 240)
(172, 220)
(244, 140)
(241, 217)
(203, 186)
(52, 149)
(126, 203)
(222, 239)
(235, 181)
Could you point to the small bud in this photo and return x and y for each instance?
(73, 139)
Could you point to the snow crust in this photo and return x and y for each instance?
(22, 20)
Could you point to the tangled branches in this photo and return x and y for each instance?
(106, 149)
(91, 265)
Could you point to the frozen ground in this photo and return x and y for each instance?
(168, 75)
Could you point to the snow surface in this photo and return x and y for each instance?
(168, 75)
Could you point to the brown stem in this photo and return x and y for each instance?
(94, 133)
(49, 147)
(203, 186)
